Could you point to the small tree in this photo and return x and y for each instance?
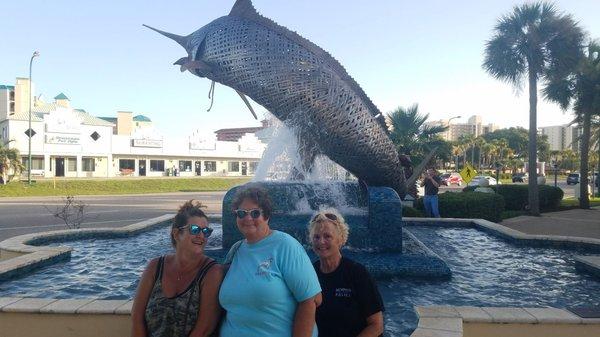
(9, 161)
(72, 212)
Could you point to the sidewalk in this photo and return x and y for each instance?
(575, 222)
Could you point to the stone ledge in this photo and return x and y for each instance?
(35, 256)
(447, 321)
(103, 307)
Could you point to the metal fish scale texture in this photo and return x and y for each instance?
(303, 86)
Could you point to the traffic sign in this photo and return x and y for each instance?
(468, 173)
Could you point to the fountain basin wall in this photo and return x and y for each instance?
(29, 317)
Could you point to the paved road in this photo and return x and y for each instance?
(29, 215)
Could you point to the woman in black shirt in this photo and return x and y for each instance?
(352, 305)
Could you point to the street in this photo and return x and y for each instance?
(29, 215)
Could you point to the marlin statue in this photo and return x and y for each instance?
(299, 83)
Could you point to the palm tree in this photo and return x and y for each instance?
(479, 142)
(9, 161)
(582, 89)
(410, 133)
(536, 41)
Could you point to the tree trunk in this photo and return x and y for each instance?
(534, 200)
(584, 199)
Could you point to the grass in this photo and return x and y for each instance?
(117, 186)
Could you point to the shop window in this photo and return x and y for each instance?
(210, 166)
(253, 166)
(72, 164)
(233, 166)
(185, 166)
(157, 165)
(37, 163)
(88, 164)
(126, 164)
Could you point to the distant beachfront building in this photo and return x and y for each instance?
(69, 142)
(474, 126)
(562, 137)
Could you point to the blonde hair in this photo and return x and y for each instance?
(339, 224)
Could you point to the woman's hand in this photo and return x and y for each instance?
(374, 326)
(304, 320)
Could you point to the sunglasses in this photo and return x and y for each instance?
(254, 213)
(196, 229)
(329, 216)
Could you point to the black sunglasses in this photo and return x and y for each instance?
(254, 213)
(329, 216)
(196, 229)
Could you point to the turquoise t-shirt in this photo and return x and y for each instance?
(264, 285)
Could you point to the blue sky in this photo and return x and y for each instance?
(400, 52)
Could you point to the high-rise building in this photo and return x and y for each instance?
(474, 126)
(562, 137)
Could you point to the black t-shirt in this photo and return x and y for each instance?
(430, 189)
(350, 295)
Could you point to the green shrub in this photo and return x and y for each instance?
(516, 197)
(471, 205)
(411, 212)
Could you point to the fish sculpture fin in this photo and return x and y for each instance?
(182, 40)
(244, 8)
(196, 66)
(247, 103)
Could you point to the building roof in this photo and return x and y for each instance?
(109, 119)
(9, 87)
(38, 112)
(141, 118)
(233, 134)
(61, 96)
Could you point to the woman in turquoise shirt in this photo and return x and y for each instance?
(271, 288)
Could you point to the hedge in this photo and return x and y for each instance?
(411, 212)
(516, 197)
(470, 205)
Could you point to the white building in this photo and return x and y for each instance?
(474, 126)
(70, 142)
(562, 137)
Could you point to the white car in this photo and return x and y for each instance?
(483, 181)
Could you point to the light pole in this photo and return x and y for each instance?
(448, 125)
(35, 54)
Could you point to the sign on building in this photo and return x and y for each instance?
(147, 142)
(62, 139)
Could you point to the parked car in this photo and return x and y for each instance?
(452, 178)
(573, 178)
(520, 178)
(483, 181)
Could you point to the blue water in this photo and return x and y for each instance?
(487, 271)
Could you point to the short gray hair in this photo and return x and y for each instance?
(320, 217)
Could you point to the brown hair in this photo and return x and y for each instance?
(186, 211)
(258, 195)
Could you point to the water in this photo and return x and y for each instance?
(487, 271)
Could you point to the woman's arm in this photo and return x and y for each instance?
(210, 310)
(138, 310)
(304, 320)
(374, 326)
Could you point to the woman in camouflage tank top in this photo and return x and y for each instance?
(178, 293)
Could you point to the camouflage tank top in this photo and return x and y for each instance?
(173, 316)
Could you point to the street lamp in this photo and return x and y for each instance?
(35, 54)
(448, 125)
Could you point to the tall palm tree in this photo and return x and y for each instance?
(410, 133)
(536, 41)
(582, 89)
(9, 161)
(479, 143)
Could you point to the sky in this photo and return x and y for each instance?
(400, 52)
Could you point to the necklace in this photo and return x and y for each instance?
(178, 270)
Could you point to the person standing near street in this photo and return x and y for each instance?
(432, 183)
